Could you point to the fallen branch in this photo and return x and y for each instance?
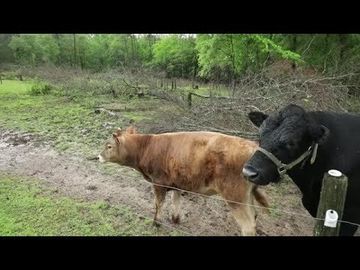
(99, 110)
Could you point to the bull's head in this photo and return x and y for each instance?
(286, 137)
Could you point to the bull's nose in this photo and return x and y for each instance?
(249, 172)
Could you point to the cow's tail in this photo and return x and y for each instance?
(260, 197)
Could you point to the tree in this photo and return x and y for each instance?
(6, 55)
(34, 49)
(176, 55)
(235, 54)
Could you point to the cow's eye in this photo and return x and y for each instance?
(109, 147)
(290, 144)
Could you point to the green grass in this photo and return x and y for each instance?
(224, 92)
(29, 210)
(69, 124)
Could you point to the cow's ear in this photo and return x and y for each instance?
(257, 118)
(131, 130)
(116, 138)
(319, 133)
(118, 132)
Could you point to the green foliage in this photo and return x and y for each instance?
(6, 55)
(145, 48)
(267, 45)
(213, 56)
(40, 88)
(328, 53)
(34, 49)
(176, 55)
(227, 55)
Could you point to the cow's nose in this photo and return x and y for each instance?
(101, 159)
(249, 172)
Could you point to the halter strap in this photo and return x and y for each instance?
(282, 167)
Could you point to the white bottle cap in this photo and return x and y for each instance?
(331, 218)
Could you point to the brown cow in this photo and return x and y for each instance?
(204, 162)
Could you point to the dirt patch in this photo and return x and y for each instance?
(8, 138)
(77, 177)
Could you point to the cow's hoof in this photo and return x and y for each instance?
(175, 219)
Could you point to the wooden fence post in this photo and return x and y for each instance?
(189, 99)
(332, 196)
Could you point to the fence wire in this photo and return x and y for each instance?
(252, 205)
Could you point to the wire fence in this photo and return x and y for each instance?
(183, 229)
(240, 203)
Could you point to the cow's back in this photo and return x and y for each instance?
(194, 160)
(341, 151)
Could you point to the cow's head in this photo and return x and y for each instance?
(115, 150)
(286, 135)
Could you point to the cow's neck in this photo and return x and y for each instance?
(135, 146)
(304, 177)
(309, 177)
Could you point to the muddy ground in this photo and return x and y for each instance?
(75, 176)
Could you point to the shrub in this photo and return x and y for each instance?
(40, 88)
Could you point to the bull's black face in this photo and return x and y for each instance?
(286, 134)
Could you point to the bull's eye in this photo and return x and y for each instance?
(290, 144)
(109, 147)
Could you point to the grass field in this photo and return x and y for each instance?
(71, 126)
(27, 209)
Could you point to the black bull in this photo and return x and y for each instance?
(289, 133)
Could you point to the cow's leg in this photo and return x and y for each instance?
(238, 190)
(245, 217)
(160, 194)
(176, 204)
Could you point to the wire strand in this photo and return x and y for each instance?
(257, 206)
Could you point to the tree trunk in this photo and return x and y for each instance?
(133, 53)
(342, 41)
(126, 52)
(194, 76)
(81, 62)
(233, 86)
(233, 66)
(189, 100)
(293, 48)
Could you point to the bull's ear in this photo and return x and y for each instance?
(116, 138)
(257, 118)
(319, 133)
